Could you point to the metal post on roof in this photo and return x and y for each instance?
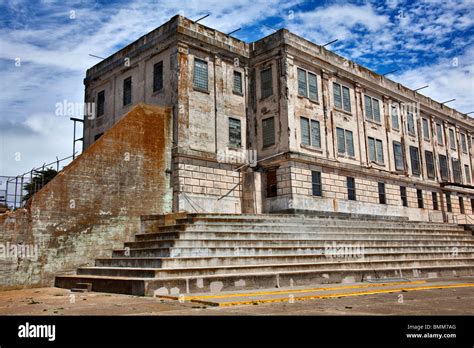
(447, 101)
(330, 42)
(270, 27)
(416, 90)
(200, 19)
(390, 72)
(92, 55)
(234, 31)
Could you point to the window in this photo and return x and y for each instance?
(235, 136)
(372, 109)
(266, 82)
(237, 88)
(456, 170)
(395, 122)
(452, 139)
(158, 76)
(100, 103)
(430, 168)
(426, 129)
(316, 183)
(342, 98)
(449, 206)
(463, 142)
(345, 142)
(439, 133)
(310, 135)
(472, 205)
(382, 196)
(461, 205)
(312, 86)
(398, 154)
(375, 150)
(302, 84)
(271, 183)
(419, 197)
(127, 91)
(351, 191)
(411, 123)
(467, 173)
(434, 197)
(268, 126)
(443, 167)
(200, 79)
(403, 196)
(415, 160)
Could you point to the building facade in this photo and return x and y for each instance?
(282, 124)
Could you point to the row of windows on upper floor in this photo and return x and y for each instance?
(317, 190)
(200, 82)
(307, 87)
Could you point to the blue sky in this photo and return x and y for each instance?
(45, 47)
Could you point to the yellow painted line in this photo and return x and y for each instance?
(275, 292)
(302, 298)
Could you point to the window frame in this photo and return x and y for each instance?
(394, 115)
(351, 188)
(428, 166)
(345, 143)
(316, 185)
(414, 161)
(411, 116)
(439, 134)
(452, 139)
(449, 204)
(404, 196)
(343, 99)
(231, 136)
(467, 174)
(434, 198)
(196, 78)
(382, 193)
(100, 110)
(157, 77)
(464, 146)
(425, 122)
(269, 92)
(443, 160)
(378, 152)
(311, 124)
(240, 75)
(125, 88)
(402, 154)
(263, 131)
(372, 109)
(419, 198)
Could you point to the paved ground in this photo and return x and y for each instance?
(456, 297)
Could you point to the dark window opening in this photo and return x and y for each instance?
(237, 82)
(200, 78)
(316, 183)
(415, 160)
(235, 136)
(461, 205)
(449, 206)
(271, 183)
(100, 103)
(351, 190)
(419, 196)
(403, 196)
(382, 195)
(434, 196)
(97, 136)
(430, 169)
(443, 167)
(266, 83)
(127, 91)
(157, 76)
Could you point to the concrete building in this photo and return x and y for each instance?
(282, 124)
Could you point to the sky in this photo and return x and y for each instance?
(45, 47)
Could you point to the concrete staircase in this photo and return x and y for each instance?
(219, 252)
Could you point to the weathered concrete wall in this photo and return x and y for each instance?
(95, 203)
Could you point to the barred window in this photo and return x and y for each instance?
(430, 169)
(235, 136)
(268, 126)
(456, 170)
(375, 150)
(434, 197)
(266, 82)
(316, 183)
(158, 76)
(127, 91)
(310, 132)
(100, 103)
(415, 160)
(302, 86)
(443, 167)
(342, 98)
(305, 133)
(382, 195)
(345, 142)
(237, 88)
(312, 86)
(398, 154)
(351, 189)
(200, 79)
(372, 109)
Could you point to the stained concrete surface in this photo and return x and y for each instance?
(55, 301)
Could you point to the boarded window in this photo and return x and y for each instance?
(305, 133)
(415, 160)
(467, 173)
(434, 198)
(443, 167)
(395, 122)
(127, 91)
(351, 189)
(430, 168)
(463, 143)
(439, 133)
(449, 206)
(316, 183)
(461, 205)
(403, 196)
(158, 76)
(235, 132)
(411, 123)
(302, 86)
(237, 88)
(100, 103)
(426, 129)
(452, 139)
(456, 170)
(268, 126)
(266, 82)
(382, 195)
(312, 86)
(398, 154)
(271, 183)
(419, 197)
(200, 79)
